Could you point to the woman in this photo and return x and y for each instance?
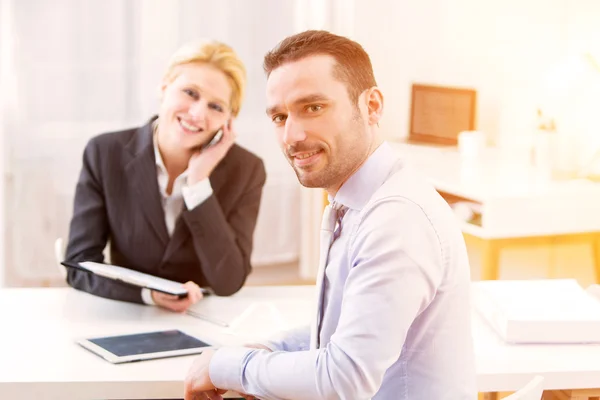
(169, 206)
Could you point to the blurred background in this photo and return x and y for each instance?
(71, 69)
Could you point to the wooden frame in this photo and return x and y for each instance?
(438, 113)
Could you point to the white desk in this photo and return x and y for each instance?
(516, 200)
(518, 205)
(39, 360)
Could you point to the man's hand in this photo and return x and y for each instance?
(176, 304)
(203, 162)
(197, 383)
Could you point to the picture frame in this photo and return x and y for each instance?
(439, 113)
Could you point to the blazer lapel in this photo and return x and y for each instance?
(141, 173)
(180, 234)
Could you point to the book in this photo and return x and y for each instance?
(539, 311)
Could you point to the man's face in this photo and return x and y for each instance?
(323, 135)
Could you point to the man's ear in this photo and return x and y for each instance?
(374, 105)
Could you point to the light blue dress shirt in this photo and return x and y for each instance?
(396, 310)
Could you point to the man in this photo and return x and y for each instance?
(393, 320)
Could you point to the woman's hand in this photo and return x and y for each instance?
(203, 162)
(176, 304)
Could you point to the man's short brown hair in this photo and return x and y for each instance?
(353, 65)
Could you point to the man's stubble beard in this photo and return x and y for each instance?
(332, 174)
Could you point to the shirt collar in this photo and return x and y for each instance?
(359, 188)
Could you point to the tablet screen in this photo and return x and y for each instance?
(151, 342)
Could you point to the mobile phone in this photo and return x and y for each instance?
(215, 139)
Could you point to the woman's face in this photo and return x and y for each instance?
(195, 104)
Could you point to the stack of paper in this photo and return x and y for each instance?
(539, 311)
(254, 319)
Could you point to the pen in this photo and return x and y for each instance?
(208, 318)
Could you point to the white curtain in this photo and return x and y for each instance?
(5, 91)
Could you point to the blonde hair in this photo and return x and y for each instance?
(218, 55)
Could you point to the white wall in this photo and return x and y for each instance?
(499, 48)
(579, 101)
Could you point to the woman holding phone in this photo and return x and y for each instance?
(175, 198)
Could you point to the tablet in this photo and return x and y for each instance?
(144, 346)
